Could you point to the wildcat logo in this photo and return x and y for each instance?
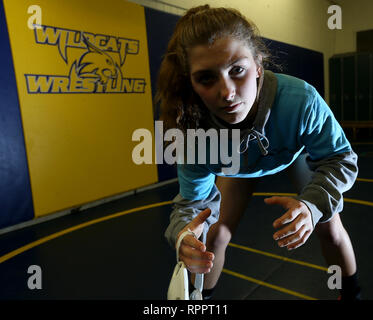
(97, 70)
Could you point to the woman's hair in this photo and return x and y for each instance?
(180, 106)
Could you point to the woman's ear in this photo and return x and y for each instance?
(258, 72)
(259, 68)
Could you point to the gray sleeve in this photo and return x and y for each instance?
(184, 211)
(331, 178)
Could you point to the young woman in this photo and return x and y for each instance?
(213, 76)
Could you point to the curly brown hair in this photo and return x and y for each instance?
(180, 106)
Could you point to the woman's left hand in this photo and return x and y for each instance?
(297, 222)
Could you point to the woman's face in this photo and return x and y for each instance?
(224, 76)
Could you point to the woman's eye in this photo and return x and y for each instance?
(237, 70)
(205, 79)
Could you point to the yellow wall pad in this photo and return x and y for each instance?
(269, 285)
(84, 87)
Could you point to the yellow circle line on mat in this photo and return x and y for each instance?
(363, 202)
(159, 204)
(282, 194)
(268, 254)
(77, 227)
(269, 285)
(364, 180)
(363, 143)
(86, 224)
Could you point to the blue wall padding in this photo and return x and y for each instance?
(159, 26)
(15, 191)
(299, 62)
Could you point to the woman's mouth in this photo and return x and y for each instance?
(232, 107)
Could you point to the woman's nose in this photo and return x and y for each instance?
(227, 89)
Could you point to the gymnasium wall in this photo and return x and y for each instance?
(300, 23)
(70, 104)
(357, 16)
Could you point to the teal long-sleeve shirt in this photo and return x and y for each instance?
(292, 118)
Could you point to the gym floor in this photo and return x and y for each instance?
(117, 250)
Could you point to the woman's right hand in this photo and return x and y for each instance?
(192, 251)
